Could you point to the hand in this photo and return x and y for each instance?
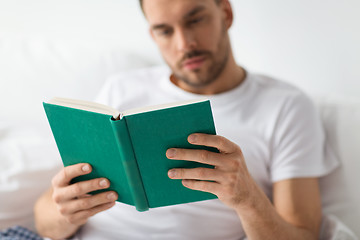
(73, 201)
(230, 180)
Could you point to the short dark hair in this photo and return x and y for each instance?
(141, 3)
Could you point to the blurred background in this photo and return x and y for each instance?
(69, 48)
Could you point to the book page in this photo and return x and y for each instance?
(103, 109)
(85, 105)
(161, 106)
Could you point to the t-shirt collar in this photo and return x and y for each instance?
(221, 98)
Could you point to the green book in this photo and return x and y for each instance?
(129, 148)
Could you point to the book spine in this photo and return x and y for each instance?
(128, 159)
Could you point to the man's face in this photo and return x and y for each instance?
(192, 37)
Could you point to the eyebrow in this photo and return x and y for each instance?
(189, 14)
(194, 12)
(159, 26)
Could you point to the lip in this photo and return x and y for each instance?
(194, 62)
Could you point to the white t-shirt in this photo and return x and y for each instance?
(274, 123)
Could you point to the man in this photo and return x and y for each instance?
(265, 177)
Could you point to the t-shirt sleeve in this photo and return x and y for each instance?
(299, 142)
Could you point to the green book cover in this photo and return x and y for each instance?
(129, 148)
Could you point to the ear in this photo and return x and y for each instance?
(228, 13)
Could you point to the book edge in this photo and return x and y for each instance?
(162, 106)
(104, 109)
(85, 105)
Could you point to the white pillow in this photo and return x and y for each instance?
(36, 68)
(340, 190)
(29, 159)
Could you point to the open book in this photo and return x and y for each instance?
(129, 147)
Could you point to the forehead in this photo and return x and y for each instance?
(166, 11)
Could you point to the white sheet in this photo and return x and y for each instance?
(28, 160)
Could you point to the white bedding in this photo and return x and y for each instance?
(28, 160)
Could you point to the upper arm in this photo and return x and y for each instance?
(298, 202)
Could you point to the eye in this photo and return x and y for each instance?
(164, 32)
(195, 20)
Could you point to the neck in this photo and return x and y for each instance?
(231, 77)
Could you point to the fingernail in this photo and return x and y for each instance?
(103, 183)
(192, 138)
(86, 168)
(171, 153)
(111, 196)
(171, 173)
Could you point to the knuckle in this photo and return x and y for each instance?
(56, 197)
(221, 142)
(86, 214)
(204, 155)
(84, 204)
(71, 219)
(232, 179)
(54, 181)
(91, 213)
(238, 150)
(76, 189)
(62, 210)
(63, 174)
(202, 173)
(180, 173)
(93, 184)
(235, 164)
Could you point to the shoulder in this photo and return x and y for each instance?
(270, 85)
(277, 92)
(282, 104)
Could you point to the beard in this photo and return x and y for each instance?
(199, 78)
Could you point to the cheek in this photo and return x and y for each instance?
(213, 31)
(208, 38)
(168, 53)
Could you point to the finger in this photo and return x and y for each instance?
(64, 177)
(80, 218)
(85, 195)
(86, 203)
(195, 155)
(204, 186)
(79, 189)
(196, 174)
(221, 143)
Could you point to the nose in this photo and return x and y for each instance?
(185, 40)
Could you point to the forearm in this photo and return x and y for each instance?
(260, 220)
(296, 213)
(49, 223)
